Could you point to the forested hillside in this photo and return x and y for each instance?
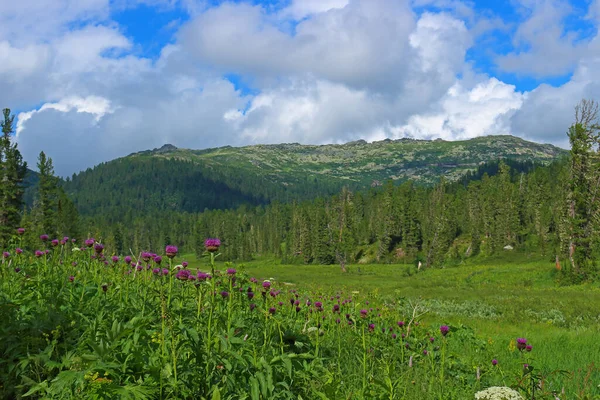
(171, 179)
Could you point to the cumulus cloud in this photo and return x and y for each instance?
(319, 72)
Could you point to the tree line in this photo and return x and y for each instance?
(550, 210)
(51, 211)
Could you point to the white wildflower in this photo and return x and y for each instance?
(498, 393)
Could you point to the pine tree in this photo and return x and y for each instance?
(12, 174)
(48, 195)
(584, 189)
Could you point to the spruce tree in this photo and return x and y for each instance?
(48, 195)
(12, 174)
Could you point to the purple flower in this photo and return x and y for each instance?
(115, 259)
(394, 336)
(400, 324)
(371, 327)
(424, 352)
(104, 287)
(18, 250)
(202, 276)
(231, 271)
(494, 362)
(71, 278)
(183, 275)
(62, 242)
(99, 248)
(521, 343)
(431, 339)
(298, 309)
(363, 313)
(73, 240)
(184, 264)
(65, 238)
(158, 259)
(444, 329)
(165, 271)
(250, 295)
(39, 253)
(212, 244)
(336, 308)
(272, 310)
(266, 284)
(171, 251)
(17, 270)
(224, 294)
(156, 271)
(20, 231)
(529, 347)
(252, 306)
(90, 242)
(6, 254)
(44, 238)
(253, 280)
(127, 260)
(139, 267)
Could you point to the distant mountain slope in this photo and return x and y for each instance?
(192, 180)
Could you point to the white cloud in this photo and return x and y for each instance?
(467, 113)
(543, 46)
(322, 71)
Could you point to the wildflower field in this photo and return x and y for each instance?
(79, 322)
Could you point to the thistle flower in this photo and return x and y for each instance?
(184, 264)
(400, 324)
(17, 270)
(250, 295)
(336, 308)
(104, 287)
(99, 248)
(371, 327)
(44, 238)
(183, 275)
(319, 305)
(90, 242)
(212, 244)
(444, 329)
(521, 343)
(202, 276)
(231, 271)
(529, 347)
(156, 271)
(494, 362)
(6, 254)
(18, 250)
(71, 278)
(171, 251)
(73, 240)
(158, 260)
(20, 231)
(424, 352)
(266, 284)
(39, 253)
(115, 259)
(127, 260)
(146, 256)
(252, 306)
(65, 238)
(224, 294)
(298, 309)
(394, 336)
(363, 313)
(165, 272)
(272, 310)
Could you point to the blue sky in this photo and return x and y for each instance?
(91, 80)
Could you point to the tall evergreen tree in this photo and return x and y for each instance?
(12, 174)
(584, 188)
(48, 195)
